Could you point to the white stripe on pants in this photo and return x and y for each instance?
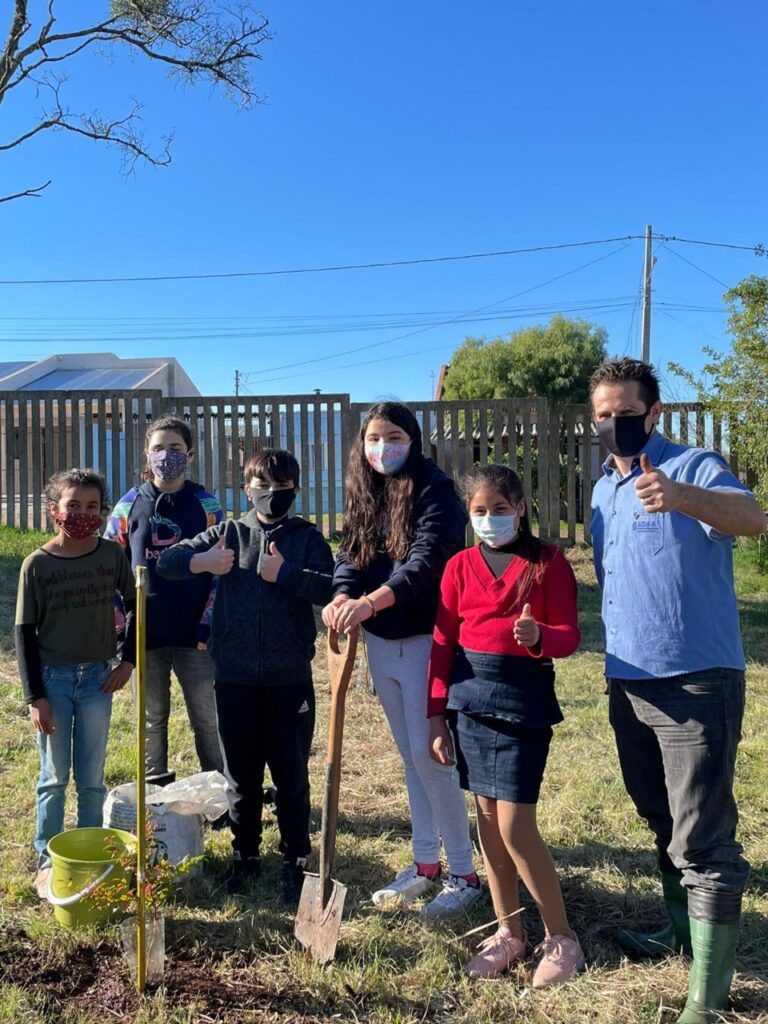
(438, 806)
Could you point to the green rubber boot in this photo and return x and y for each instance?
(714, 953)
(673, 938)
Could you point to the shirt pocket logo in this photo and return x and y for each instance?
(649, 531)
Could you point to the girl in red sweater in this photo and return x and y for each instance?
(507, 607)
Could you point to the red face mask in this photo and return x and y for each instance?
(77, 525)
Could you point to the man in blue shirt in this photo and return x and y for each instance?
(663, 518)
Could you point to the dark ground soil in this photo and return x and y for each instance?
(93, 984)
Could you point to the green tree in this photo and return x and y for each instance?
(733, 384)
(551, 361)
(192, 40)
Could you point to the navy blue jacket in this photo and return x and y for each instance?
(439, 531)
(146, 521)
(262, 634)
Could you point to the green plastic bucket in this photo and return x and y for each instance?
(81, 860)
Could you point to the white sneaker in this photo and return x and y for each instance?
(456, 896)
(41, 882)
(406, 887)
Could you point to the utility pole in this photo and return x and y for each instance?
(647, 270)
(237, 383)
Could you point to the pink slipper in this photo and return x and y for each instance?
(496, 955)
(561, 960)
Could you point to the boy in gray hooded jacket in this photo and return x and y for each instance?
(272, 569)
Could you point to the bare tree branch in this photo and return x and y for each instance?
(34, 192)
(195, 40)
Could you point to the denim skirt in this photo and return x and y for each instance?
(500, 759)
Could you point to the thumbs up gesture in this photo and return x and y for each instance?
(527, 632)
(270, 563)
(654, 489)
(217, 560)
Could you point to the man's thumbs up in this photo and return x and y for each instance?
(270, 564)
(221, 542)
(527, 632)
(654, 489)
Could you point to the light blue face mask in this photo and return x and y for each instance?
(496, 531)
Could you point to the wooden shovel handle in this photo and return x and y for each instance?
(340, 666)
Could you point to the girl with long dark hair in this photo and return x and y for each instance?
(402, 522)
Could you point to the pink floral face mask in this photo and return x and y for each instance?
(387, 458)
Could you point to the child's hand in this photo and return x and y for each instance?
(41, 713)
(117, 678)
(330, 613)
(351, 613)
(217, 560)
(440, 741)
(269, 565)
(527, 632)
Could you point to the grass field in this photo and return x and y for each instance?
(234, 960)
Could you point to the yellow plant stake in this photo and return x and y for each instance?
(141, 801)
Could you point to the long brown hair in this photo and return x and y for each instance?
(378, 512)
(535, 552)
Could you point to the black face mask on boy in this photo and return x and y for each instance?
(273, 504)
(624, 436)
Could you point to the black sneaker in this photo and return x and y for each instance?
(223, 821)
(241, 872)
(293, 880)
(161, 779)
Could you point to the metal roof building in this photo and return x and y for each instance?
(101, 371)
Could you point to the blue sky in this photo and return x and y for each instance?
(393, 132)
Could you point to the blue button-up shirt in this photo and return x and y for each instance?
(669, 604)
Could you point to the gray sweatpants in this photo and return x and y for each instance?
(438, 806)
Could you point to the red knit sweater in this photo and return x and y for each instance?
(478, 613)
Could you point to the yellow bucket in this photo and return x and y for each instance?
(82, 860)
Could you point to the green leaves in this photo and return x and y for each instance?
(551, 361)
(734, 383)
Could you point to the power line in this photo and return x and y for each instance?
(318, 270)
(697, 267)
(460, 317)
(757, 249)
(696, 330)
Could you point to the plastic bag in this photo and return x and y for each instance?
(176, 812)
(204, 793)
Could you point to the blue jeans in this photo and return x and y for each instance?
(81, 713)
(677, 741)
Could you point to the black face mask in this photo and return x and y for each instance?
(624, 436)
(273, 504)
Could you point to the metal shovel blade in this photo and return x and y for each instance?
(318, 923)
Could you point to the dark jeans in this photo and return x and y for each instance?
(677, 741)
(267, 726)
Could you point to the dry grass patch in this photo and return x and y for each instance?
(233, 960)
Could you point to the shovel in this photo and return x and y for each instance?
(318, 919)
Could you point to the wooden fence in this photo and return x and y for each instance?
(552, 447)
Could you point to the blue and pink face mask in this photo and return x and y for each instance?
(387, 458)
